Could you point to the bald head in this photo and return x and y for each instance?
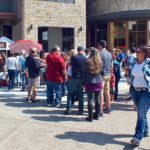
(23, 52)
(34, 49)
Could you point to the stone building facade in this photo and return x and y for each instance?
(55, 16)
(50, 22)
(10, 16)
(123, 23)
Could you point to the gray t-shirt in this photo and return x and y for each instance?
(107, 61)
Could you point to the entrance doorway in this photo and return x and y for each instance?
(6, 30)
(50, 36)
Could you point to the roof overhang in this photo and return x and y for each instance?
(8, 16)
(123, 15)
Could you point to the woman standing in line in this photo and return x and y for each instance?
(2, 62)
(140, 92)
(92, 81)
(11, 65)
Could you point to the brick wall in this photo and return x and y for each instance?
(53, 14)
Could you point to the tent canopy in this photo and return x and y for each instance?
(5, 42)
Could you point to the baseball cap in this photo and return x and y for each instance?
(80, 48)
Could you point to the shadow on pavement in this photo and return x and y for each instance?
(6, 100)
(122, 107)
(143, 149)
(53, 115)
(45, 112)
(56, 118)
(23, 103)
(97, 138)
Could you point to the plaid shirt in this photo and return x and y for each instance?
(146, 71)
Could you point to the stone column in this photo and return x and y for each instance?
(80, 36)
(148, 33)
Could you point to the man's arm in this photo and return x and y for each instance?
(64, 75)
(63, 67)
(41, 60)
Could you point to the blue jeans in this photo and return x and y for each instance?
(93, 96)
(64, 87)
(23, 81)
(116, 87)
(16, 77)
(142, 102)
(51, 87)
(11, 75)
(75, 85)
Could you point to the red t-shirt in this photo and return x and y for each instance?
(55, 67)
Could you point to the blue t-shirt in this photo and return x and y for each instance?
(22, 62)
(117, 69)
(107, 61)
(121, 57)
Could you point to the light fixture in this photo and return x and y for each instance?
(30, 27)
(80, 29)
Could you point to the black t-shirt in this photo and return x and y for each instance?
(77, 63)
(33, 66)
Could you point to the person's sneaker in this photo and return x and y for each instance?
(135, 142)
(96, 117)
(28, 100)
(50, 105)
(58, 105)
(107, 111)
(80, 113)
(89, 119)
(35, 101)
(67, 112)
(101, 114)
(146, 134)
(129, 98)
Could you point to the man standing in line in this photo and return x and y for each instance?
(75, 83)
(33, 65)
(55, 75)
(12, 66)
(107, 67)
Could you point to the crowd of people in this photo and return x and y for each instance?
(94, 71)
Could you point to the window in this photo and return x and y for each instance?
(7, 31)
(118, 34)
(63, 1)
(101, 32)
(43, 37)
(67, 38)
(137, 32)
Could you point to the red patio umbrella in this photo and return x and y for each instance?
(24, 45)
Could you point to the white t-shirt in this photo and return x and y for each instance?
(139, 80)
(11, 63)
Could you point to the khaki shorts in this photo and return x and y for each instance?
(106, 83)
(32, 81)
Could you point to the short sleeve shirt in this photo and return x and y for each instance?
(107, 61)
(77, 63)
(55, 68)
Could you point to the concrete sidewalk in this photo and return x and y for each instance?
(28, 126)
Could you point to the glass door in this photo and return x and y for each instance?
(118, 35)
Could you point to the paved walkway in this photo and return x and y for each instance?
(28, 126)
